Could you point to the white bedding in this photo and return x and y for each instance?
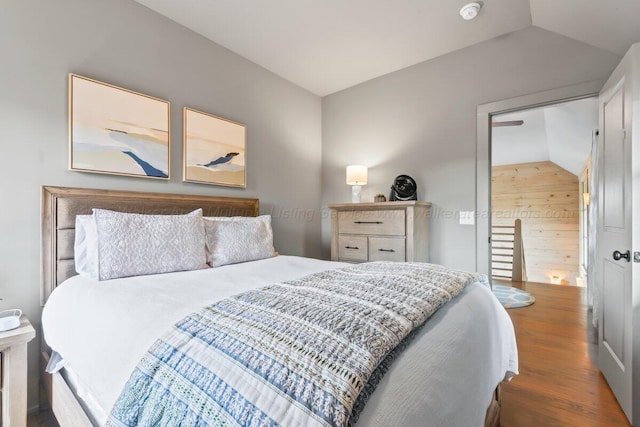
(444, 378)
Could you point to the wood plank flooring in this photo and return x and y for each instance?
(558, 384)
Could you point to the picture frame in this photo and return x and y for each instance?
(214, 150)
(116, 131)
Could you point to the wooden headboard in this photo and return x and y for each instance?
(60, 206)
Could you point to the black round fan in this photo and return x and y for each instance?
(404, 188)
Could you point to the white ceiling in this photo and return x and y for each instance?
(561, 133)
(613, 25)
(326, 46)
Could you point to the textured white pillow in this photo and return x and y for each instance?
(135, 244)
(238, 239)
(85, 248)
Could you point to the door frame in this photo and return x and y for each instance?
(485, 112)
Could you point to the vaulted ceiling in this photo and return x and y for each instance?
(329, 45)
(561, 133)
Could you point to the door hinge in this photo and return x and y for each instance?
(624, 134)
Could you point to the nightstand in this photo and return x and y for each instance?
(383, 231)
(13, 369)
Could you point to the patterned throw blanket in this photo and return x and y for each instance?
(304, 352)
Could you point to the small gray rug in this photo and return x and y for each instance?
(511, 297)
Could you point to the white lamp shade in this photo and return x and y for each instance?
(356, 175)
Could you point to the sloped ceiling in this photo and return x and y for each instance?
(326, 46)
(612, 25)
(561, 133)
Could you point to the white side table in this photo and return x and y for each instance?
(13, 370)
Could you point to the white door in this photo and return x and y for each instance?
(615, 322)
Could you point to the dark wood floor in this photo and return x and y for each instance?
(558, 384)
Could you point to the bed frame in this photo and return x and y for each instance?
(60, 205)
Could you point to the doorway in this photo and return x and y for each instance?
(540, 164)
(623, 378)
(485, 115)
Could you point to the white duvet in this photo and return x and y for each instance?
(446, 377)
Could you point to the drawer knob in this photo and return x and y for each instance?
(367, 222)
(386, 250)
(351, 247)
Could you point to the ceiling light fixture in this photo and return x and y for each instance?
(470, 11)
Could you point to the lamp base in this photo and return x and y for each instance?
(355, 193)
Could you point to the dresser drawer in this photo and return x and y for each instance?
(387, 249)
(389, 222)
(352, 247)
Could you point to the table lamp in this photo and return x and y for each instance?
(357, 177)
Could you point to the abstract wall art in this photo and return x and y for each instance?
(213, 150)
(117, 131)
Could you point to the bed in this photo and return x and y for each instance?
(448, 375)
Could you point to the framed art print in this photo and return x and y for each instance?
(213, 150)
(117, 131)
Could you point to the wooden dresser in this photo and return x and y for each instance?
(387, 231)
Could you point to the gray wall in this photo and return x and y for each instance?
(421, 121)
(123, 43)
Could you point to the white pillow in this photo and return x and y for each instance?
(136, 244)
(238, 239)
(85, 248)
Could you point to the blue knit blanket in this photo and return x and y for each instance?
(303, 352)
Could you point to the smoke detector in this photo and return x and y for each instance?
(470, 11)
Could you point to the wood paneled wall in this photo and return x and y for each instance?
(546, 198)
